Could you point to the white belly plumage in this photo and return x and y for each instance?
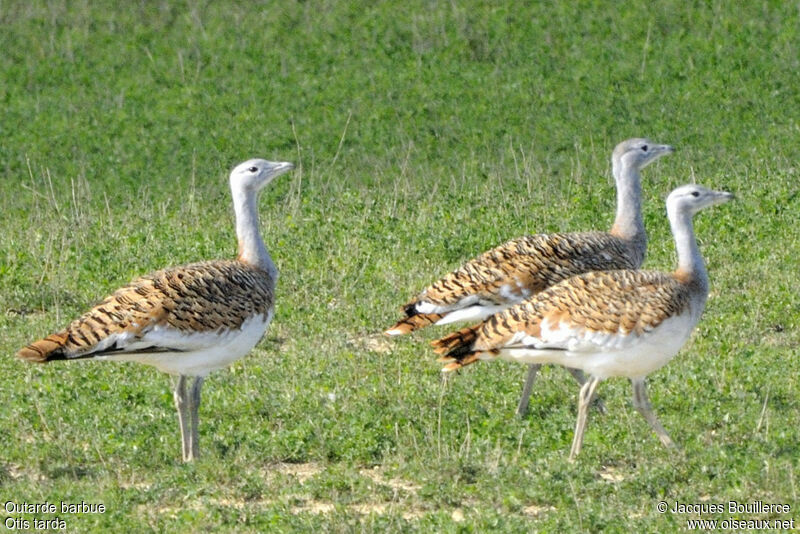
(198, 353)
(607, 355)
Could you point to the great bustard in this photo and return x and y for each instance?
(514, 271)
(185, 321)
(614, 323)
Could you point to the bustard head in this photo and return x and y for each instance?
(692, 198)
(254, 174)
(637, 153)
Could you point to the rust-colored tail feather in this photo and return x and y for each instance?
(456, 365)
(457, 342)
(413, 322)
(44, 350)
(457, 348)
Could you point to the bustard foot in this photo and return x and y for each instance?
(642, 405)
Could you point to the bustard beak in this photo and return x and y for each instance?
(277, 168)
(720, 197)
(664, 149)
(656, 152)
(282, 167)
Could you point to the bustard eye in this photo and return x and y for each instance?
(644, 148)
(253, 169)
(695, 194)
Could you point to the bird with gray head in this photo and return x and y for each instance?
(625, 323)
(186, 321)
(520, 268)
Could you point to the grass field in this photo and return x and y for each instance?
(424, 133)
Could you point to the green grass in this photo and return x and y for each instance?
(424, 133)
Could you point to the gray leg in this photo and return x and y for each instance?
(642, 405)
(181, 404)
(584, 399)
(194, 405)
(580, 378)
(522, 407)
(533, 369)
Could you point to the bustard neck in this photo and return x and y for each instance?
(691, 267)
(251, 247)
(628, 223)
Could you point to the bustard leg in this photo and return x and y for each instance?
(194, 405)
(181, 404)
(584, 399)
(580, 378)
(533, 369)
(642, 405)
(522, 407)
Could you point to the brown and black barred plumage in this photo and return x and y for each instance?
(186, 321)
(606, 309)
(516, 270)
(211, 297)
(525, 266)
(625, 323)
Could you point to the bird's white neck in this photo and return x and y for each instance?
(691, 267)
(628, 224)
(251, 247)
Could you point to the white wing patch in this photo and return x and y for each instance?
(429, 307)
(509, 294)
(514, 294)
(472, 313)
(564, 336)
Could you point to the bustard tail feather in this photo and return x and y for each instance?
(459, 342)
(457, 349)
(458, 364)
(413, 322)
(45, 350)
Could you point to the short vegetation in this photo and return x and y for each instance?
(424, 133)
